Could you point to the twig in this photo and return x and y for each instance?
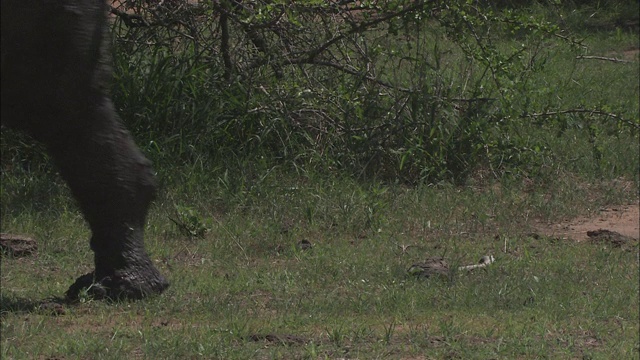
(345, 70)
(484, 262)
(572, 41)
(603, 58)
(131, 20)
(586, 111)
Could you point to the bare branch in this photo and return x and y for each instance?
(603, 58)
(586, 111)
(131, 20)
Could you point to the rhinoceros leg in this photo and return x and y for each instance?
(55, 73)
(114, 185)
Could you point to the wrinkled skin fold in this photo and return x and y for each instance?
(55, 77)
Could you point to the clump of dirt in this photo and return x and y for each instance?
(623, 220)
(430, 267)
(283, 339)
(17, 245)
(609, 237)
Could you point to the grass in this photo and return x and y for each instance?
(350, 295)
(242, 287)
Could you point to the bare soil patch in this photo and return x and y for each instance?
(622, 219)
(631, 54)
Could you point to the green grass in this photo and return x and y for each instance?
(238, 275)
(350, 295)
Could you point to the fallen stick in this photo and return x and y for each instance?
(484, 261)
(602, 58)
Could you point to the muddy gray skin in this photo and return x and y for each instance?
(55, 76)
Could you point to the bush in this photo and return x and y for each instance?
(407, 91)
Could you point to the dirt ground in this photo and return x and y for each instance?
(623, 219)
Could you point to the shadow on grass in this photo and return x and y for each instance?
(16, 305)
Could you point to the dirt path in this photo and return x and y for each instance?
(623, 219)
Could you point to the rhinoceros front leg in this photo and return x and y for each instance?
(114, 185)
